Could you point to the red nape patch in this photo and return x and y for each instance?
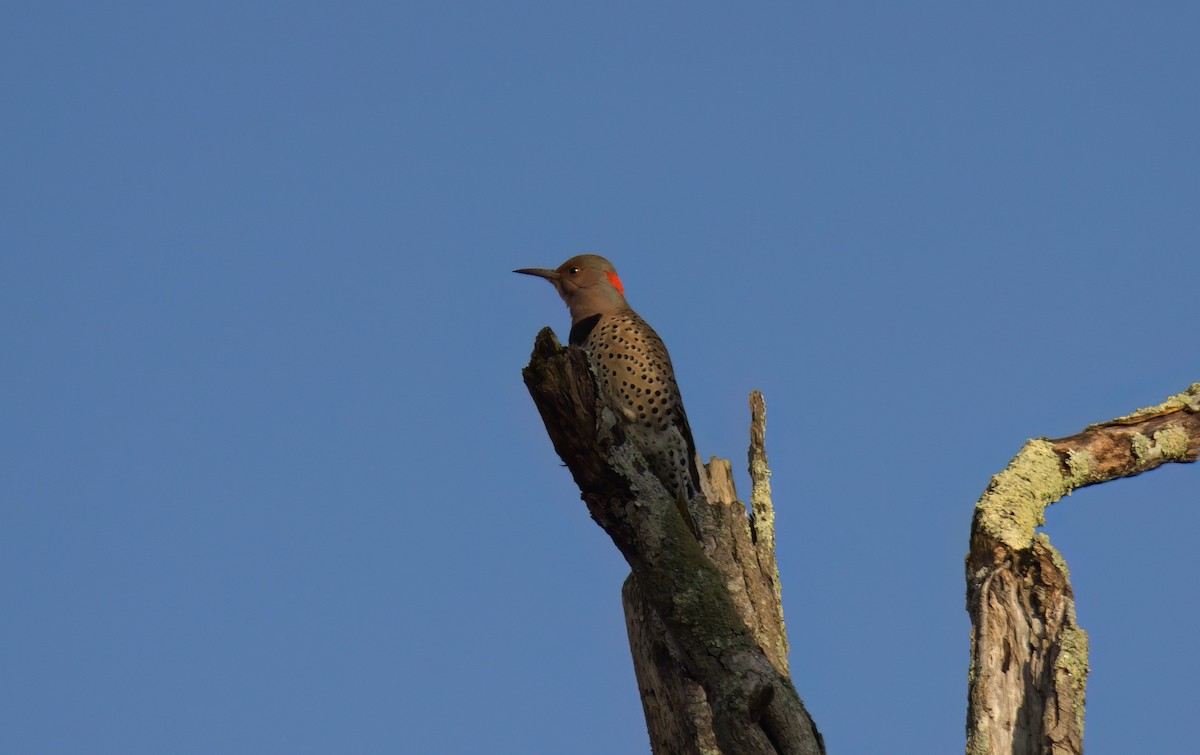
(613, 279)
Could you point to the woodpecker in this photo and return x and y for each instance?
(632, 368)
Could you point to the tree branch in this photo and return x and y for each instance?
(1029, 658)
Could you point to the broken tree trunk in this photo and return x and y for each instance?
(705, 618)
(1029, 658)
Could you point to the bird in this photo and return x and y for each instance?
(633, 371)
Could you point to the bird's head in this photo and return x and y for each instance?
(588, 284)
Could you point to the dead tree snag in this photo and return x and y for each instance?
(704, 616)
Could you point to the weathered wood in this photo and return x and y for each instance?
(678, 718)
(704, 614)
(1029, 658)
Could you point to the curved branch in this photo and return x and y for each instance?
(1029, 658)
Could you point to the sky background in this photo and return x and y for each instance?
(270, 481)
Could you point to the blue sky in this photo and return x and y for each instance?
(271, 481)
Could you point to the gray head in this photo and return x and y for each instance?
(587, 283)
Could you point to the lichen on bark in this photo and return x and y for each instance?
(1027, 679)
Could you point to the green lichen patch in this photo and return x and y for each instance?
(1055, 557)
(1172, 442)
(1168, 444)
(1071, 667)
(1142, 447)
(1188, 401)
(1081, 465)
(1014, 503)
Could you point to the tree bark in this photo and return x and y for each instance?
(1029, 657)
(704, 614)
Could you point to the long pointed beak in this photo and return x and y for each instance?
(541, 272)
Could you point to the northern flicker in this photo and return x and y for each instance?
(633, 371)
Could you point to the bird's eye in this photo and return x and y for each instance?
(573, 271)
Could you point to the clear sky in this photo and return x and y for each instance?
(271, 482)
